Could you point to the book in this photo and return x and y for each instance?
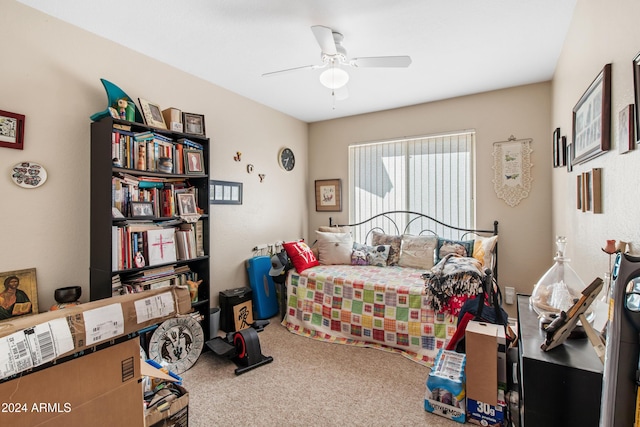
(161, 246)
(199, 229)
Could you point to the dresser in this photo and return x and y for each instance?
(561, 387)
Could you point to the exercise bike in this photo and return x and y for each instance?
(243, 347)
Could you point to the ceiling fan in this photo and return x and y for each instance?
(335, 60)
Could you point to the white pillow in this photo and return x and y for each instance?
(334, 248)
(483, 250)
(417, 251)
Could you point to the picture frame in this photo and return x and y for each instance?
(142, 210)
(11, 130)
(225, 193)
(626, 129)
(592, 119)
(193, 162)
(559, 149)
(22, 284)
(636, 95)
(328, 195)
(187, 204)
(569, 154)
(152, 114)
(193, 124)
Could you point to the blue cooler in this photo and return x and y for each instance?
(265, 298)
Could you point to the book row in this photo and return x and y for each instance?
(153, 152)
(146, 244)
(171, 275)
(152, 197)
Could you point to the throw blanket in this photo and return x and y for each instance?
(452, 281)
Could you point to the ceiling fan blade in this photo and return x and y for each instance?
(324, 36)
(341, 93)
(381, 61)
(289, 70)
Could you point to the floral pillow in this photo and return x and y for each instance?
(446, 246)
(483, 250)
(370, 255)
(391, 240)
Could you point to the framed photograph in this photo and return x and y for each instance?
(592, 119)
(569, 156)
(193, 124)
(193, 162)
(559, 149)
(19, 295)
(152, 114)
(11, 130)
(636, 94)
(328, 195)
(225, 193)
(626, 131)
(141, 209)
(187, 204)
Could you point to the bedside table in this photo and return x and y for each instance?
(561, 387)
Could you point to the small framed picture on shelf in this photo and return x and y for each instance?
(193, 162)
(152, 114)
(21, 289)
(141, 209)
(11, 130)
(193, 124)
(187, 204)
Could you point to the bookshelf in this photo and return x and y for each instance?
(146, 243)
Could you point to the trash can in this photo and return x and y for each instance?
(214, 322)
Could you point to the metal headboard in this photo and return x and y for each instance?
(400, 222)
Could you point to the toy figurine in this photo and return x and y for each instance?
(122, 108)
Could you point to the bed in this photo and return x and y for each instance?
(405, 300)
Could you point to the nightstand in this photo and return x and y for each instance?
(561, 387)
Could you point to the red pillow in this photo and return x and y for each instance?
(300, 255)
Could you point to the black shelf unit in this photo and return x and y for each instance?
(101, 222)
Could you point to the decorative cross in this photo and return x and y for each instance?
(161, 244)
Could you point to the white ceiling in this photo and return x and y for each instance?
(458, 47)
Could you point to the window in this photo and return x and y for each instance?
(433, 175)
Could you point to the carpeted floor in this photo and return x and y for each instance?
(309, 383)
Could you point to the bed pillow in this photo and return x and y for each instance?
(483, 249)
(327, 229)
(300, 255)
(370, 255)
(447, 246)
(334, 248)
(417, 251)
(388, 239)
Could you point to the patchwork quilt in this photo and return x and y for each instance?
(388, 308)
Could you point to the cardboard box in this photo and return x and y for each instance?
(29, 342)
(446, 386)
(177, 415)
(103, 386)
(486, 373)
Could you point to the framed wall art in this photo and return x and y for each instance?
(512, 169)
(193, 124)
(225, 193)
(626, 131)
(19, 293)
(11, 130)
(592, 119)
(636, 94)
(329, 195)
(559, 149)
(152, 114)
(193, 162)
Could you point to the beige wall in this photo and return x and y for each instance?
(599, 34)
(523, 112)
(50, 72)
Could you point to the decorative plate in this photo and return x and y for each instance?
(177, 343)
(28, 174)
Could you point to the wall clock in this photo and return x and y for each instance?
(177, 343)
(286, 159)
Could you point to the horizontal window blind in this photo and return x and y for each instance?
(433, 175)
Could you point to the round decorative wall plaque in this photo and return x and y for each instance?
(28, 174)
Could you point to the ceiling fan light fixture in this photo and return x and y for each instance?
(334, 78)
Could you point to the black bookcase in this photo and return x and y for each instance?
(103, 169)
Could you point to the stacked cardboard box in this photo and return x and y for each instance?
(486, 373)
